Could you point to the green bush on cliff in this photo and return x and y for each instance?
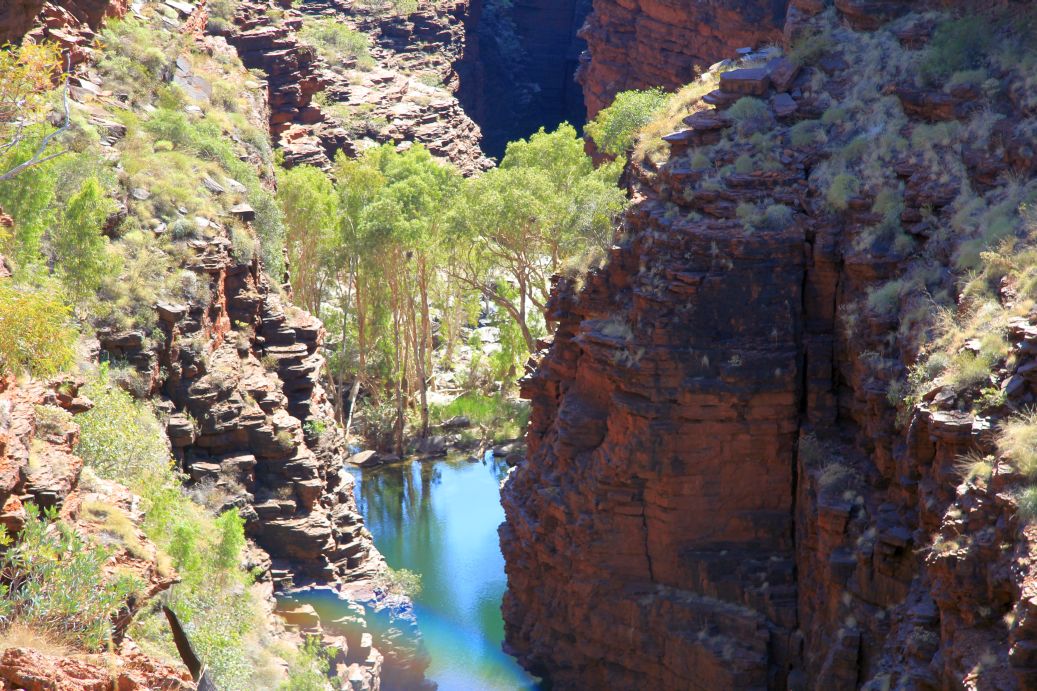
(55, 583)
(337, 42)
(120, 438)
(614, 130)
(957, 44)
(80, 251)
(308, 667)
(36, 333)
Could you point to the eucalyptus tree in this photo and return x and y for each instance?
(310, 207)
(521, 222)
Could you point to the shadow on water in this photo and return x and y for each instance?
(439, 518)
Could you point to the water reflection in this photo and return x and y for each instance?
(439, 518)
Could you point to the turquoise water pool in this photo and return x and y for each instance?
(439, 518)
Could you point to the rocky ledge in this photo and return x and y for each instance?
(659, 43)
(407, 96)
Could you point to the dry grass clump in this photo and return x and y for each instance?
(21, 635)
(115, 526)
(650, 146)
(974, 466)
(1018, 442)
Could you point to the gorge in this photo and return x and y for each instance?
(263, 319)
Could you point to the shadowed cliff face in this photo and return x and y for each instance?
(718, 492)
(637, 44)
(518, 71)
(660, 480)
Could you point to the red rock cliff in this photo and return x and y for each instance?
(637, 44)
(718, 493)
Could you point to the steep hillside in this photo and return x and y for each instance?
(346, 76)
(166, 175)
(781, 437)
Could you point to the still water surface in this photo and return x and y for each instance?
(439, 518)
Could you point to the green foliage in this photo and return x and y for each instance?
(28, 199)
(336, 42)
(35, 330)
(748, 109)
(80, 251)
(843, 188)
(133, 60)
(615, 128)
(309, 667)
(1027, 501)
(243, 247)
(221, 14)
(809, 49)
(404, 582)
(309, 204)
(505, 417)
(956, 45)
(884, 300)
(1017, 441)
(54, 581)
(120, 438)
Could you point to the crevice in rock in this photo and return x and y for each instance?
(518, 70)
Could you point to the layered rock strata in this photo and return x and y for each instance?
(406, 96)
(39, 19)
(718, 493)
(638, 44)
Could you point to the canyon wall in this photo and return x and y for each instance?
(406, 95)
(718, 492)
(638, 44)
(519, 66)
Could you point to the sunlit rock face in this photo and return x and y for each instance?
(656, 502)
(724, 487)
(638, 44)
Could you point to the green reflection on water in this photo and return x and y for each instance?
(439, 519)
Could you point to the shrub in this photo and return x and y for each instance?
(1027, 501)
(809, 49)
(120, 438)
(309, 667)
(51, 420)
(55, 582)
(35, 331)
(956, 45)
(336, 42)
(243, 246)
(80, 251)
(885, 299)
(842, 189)
(806, 133)
(615, 129)
(404, 582)
(748, 109)
(974, 466)
(1018, 441)
(506, 416)
(132, 60)
(29, 200)
(744, 164)
(777, 216)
